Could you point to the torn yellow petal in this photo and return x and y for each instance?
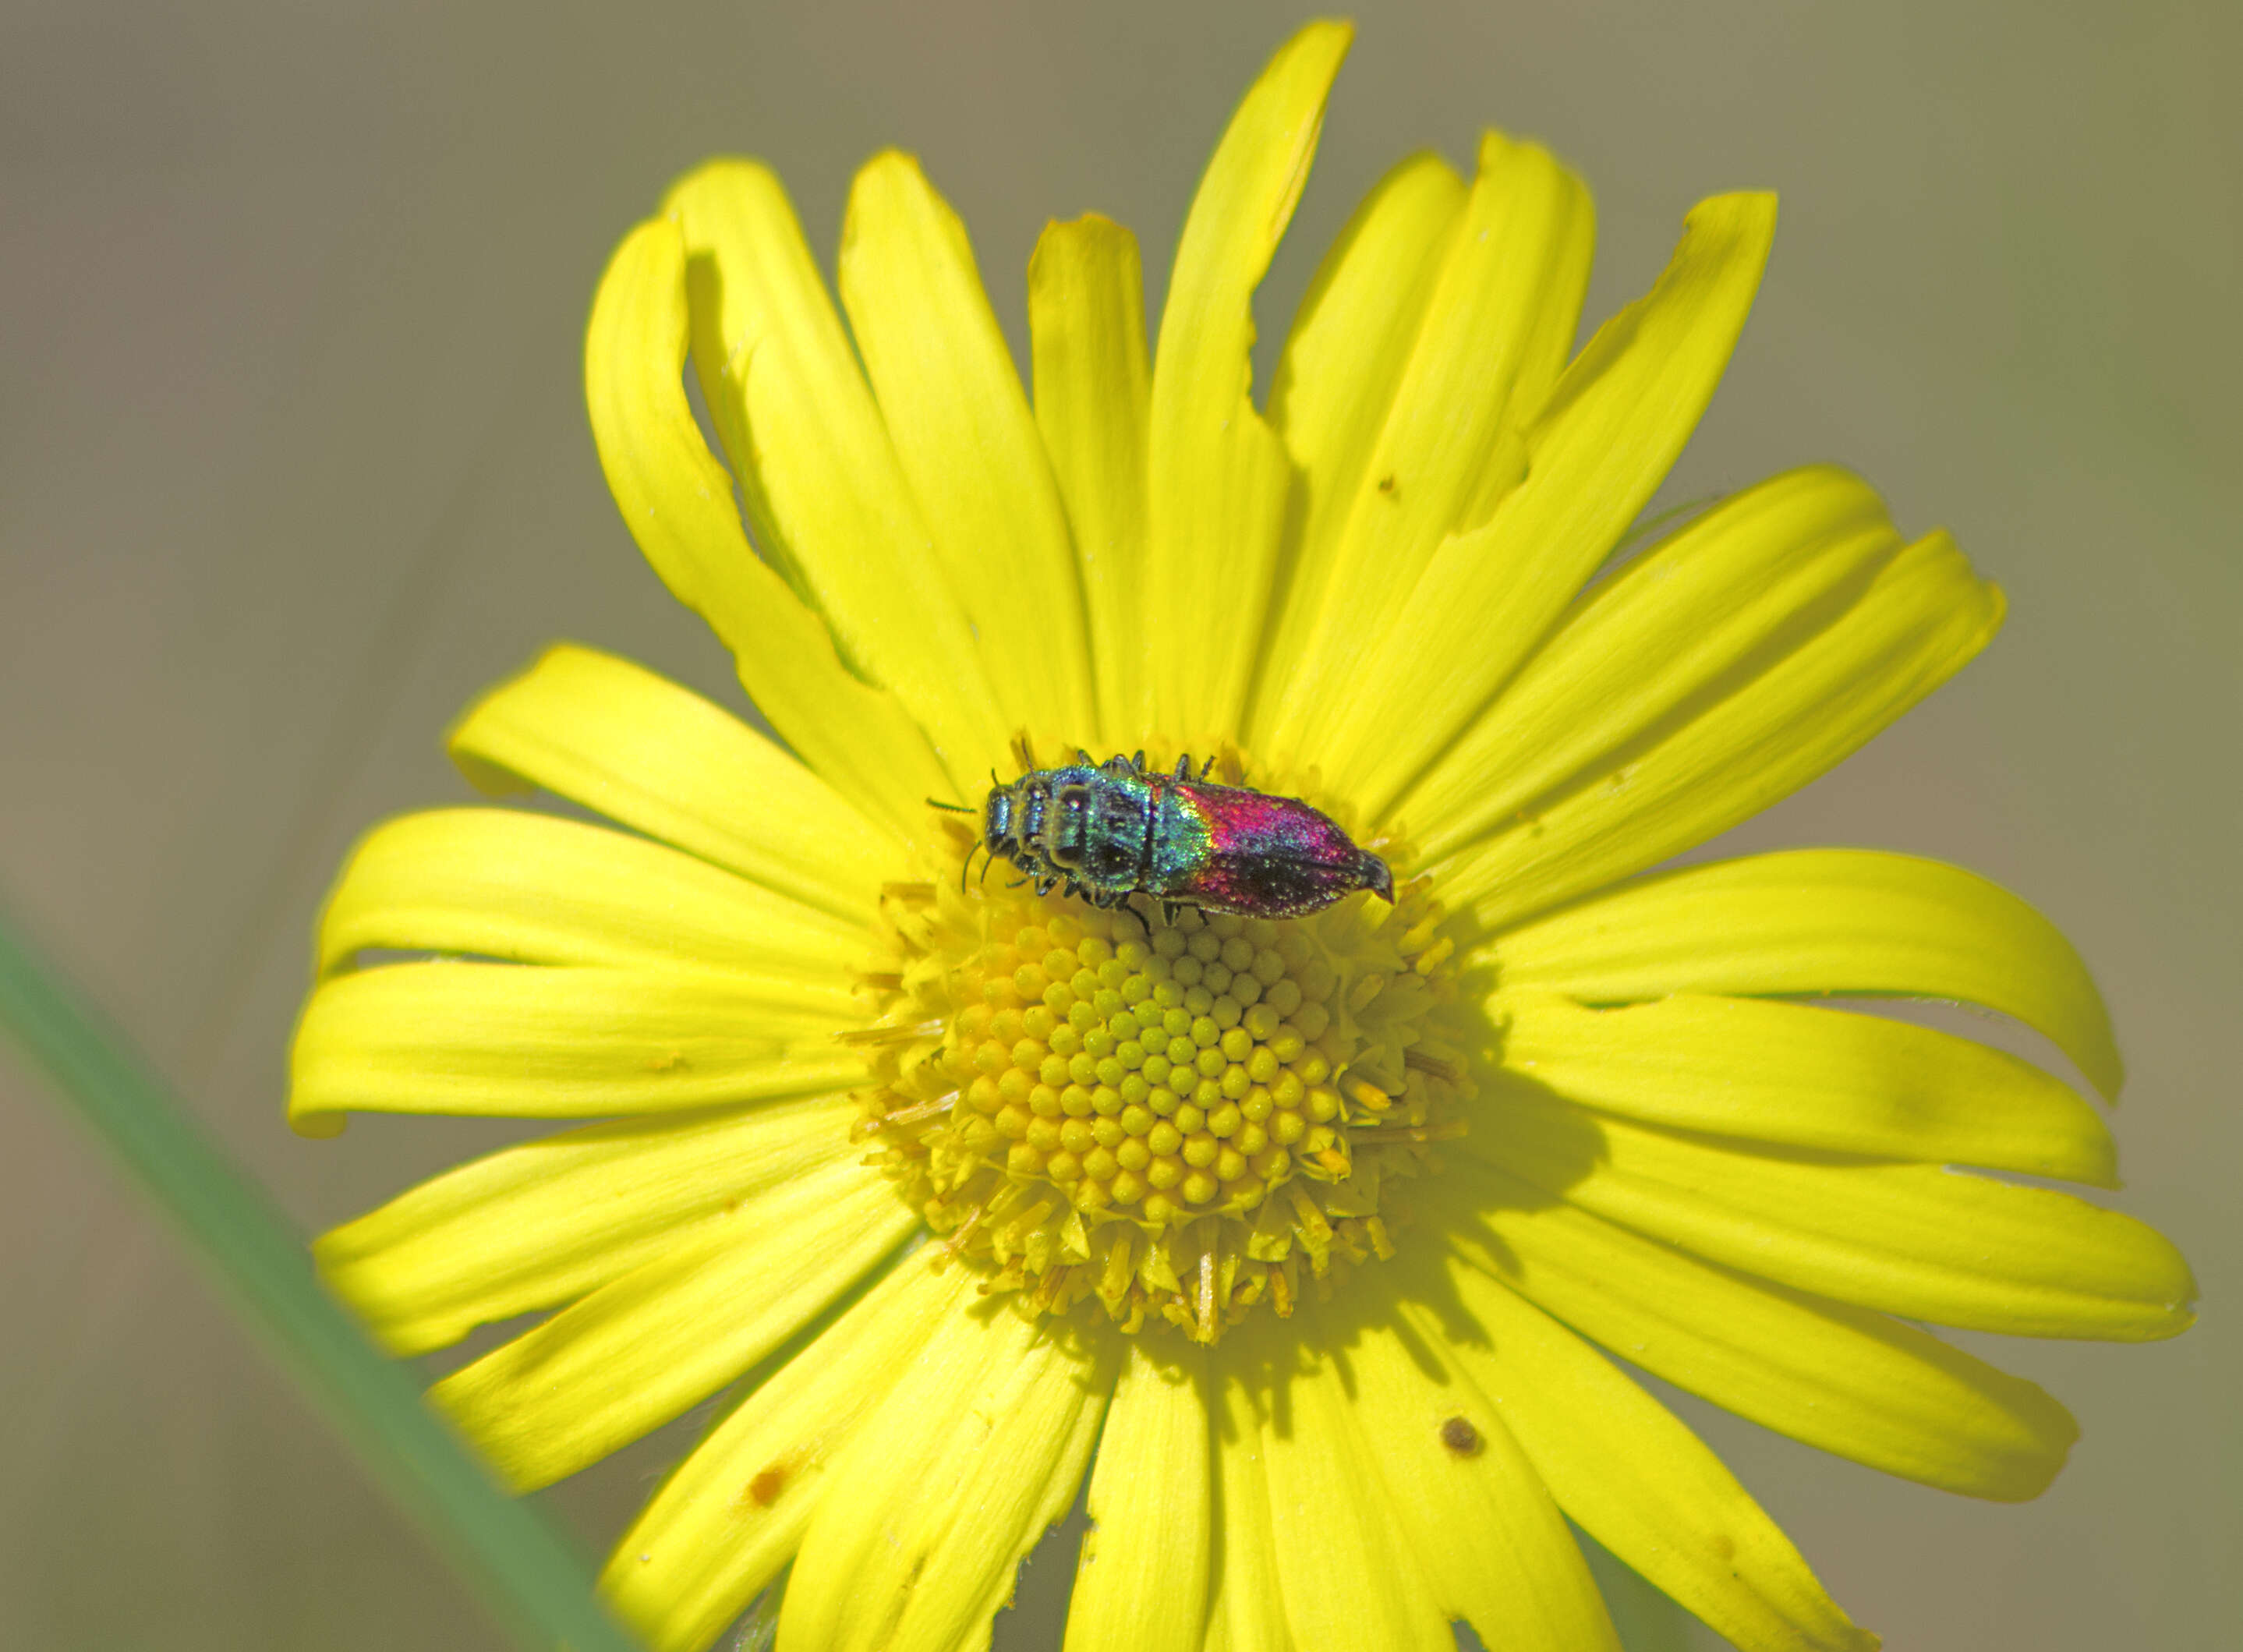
(1141, 1583)
(1094, 387)
(1594, 455)
(1347, 1573)
(1495, 331)
(1851, 1382)
(828, 497)
(1922, 617)
(1217, 473)
(1822, 922)
(544, 1223)
(1673, 633)
(1627, 1470)
(1246, 1611)
(1803, 1076)
(1349, 346)
(734, 1513)
(1916, 1240)
(678, 502)
(639, 749)
(1467, 1504)
(963, 434)
(524, 1042)
(534, 888)
(645, 1346)
(929, 1511)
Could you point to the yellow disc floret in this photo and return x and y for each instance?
(1168, 1119)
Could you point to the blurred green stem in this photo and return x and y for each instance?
(518, 1565)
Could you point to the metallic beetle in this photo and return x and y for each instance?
(1111, 830)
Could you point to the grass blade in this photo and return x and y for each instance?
(517, 1564)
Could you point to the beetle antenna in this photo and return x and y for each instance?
(953, 808)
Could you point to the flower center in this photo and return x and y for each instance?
(1175, 1121)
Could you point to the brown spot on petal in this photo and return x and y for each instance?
(765, 1488)
(1460, 1437)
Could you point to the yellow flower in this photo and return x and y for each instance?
(1295, 1237)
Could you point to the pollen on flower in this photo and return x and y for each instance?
(1174, 1120)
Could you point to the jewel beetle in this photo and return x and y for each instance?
(1108, 831)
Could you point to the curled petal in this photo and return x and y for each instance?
(542, 1224)
(734, 1513)
(1822, 922)
(515, 1041)
(614, 737)
(1853, 1383)
(1217, 473)
(645, 1348)
(1627, 1470)
(534, 888)
(678, 502)
(962, 432)
(1916, 1240)
(1593, 456)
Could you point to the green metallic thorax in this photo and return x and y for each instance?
(1109, 828)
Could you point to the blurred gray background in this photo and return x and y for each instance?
(293, 461)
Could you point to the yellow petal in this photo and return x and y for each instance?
(523, 1041)
(1671, 634)
(643, 1348)
(824, 488)
(962, 432)
(1850, 1382)
(734, 1513)
(1347, 1575)
(1627, 1470)
(534, 888)
(1086, 327)
(1822, 922)
(1217, 473)
(1467, 1504)
(1922, 619)
(678, 502)
(1347, 350)
(546, 1222)
(1246, 1611)
(1595, 455)
(932, 1507)
(659, 758)
(1495, 332)
(1807, 1077)
(1141, 1583)
(1916, 1240)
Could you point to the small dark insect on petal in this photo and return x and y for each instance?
(1460, 1437)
